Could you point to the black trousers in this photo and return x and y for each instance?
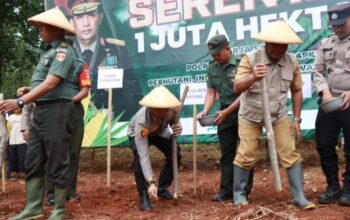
(75, 142)
(228, 137)
(76, 138)
(49, 143)
(166, 174)
(328, 128)
(17, 154)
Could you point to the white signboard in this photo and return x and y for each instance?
(110, 78)
(196, 93)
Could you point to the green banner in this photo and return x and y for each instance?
(163, 42)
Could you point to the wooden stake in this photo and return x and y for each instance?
(3, 171)
(174, 147)
(194, 150)
(109, 127)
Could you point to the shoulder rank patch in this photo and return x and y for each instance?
(144, 132)
(60, 54)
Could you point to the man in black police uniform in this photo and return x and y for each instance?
(100, 53)
(51, 91)
(150, 126)
(331, 76)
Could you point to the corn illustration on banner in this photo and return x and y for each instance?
(163, 42)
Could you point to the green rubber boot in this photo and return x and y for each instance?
(295, 177)
(60, 198)
(240, 181)
(34, 200)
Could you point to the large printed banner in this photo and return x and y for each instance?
(163, 42)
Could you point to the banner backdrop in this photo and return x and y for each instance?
(163, 42)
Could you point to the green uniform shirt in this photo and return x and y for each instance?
(57, 59)
(220, 78)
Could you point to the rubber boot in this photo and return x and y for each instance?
(295, 177)
(240, 181)
(58, 212)
(34, 200)
(145, 204)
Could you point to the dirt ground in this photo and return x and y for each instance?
(121, 200)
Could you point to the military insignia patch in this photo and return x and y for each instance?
(144, 132)
(60, 56)
(334, 16)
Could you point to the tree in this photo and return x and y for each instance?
(18, 41)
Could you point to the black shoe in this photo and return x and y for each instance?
(165, 194)
(50, 202)
(145, 204)
(221, 197)
(344, 198)
(74, 198)
(331, 195)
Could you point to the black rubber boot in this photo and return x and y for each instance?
(145, 204)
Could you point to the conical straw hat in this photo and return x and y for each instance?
(160, 97)
(53, 17)
(278, 32)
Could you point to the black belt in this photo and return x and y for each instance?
(50, 102)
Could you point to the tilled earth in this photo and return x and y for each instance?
(120, 201)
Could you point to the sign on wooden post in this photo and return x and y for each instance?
(109, 78)
(196, 95)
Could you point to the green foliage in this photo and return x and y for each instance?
(18, 43)
(101, 138)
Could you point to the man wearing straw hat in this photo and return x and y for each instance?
(220, 71)
(51, 92)
(282, 72)
(331, 77)
(149, 126)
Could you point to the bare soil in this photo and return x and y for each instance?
(121, 201)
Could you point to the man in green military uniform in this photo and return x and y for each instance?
(220, 72)
(51, 91)
(81, 89)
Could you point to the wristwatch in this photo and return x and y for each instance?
(151, 182)
(20, 102)
(297, 120)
